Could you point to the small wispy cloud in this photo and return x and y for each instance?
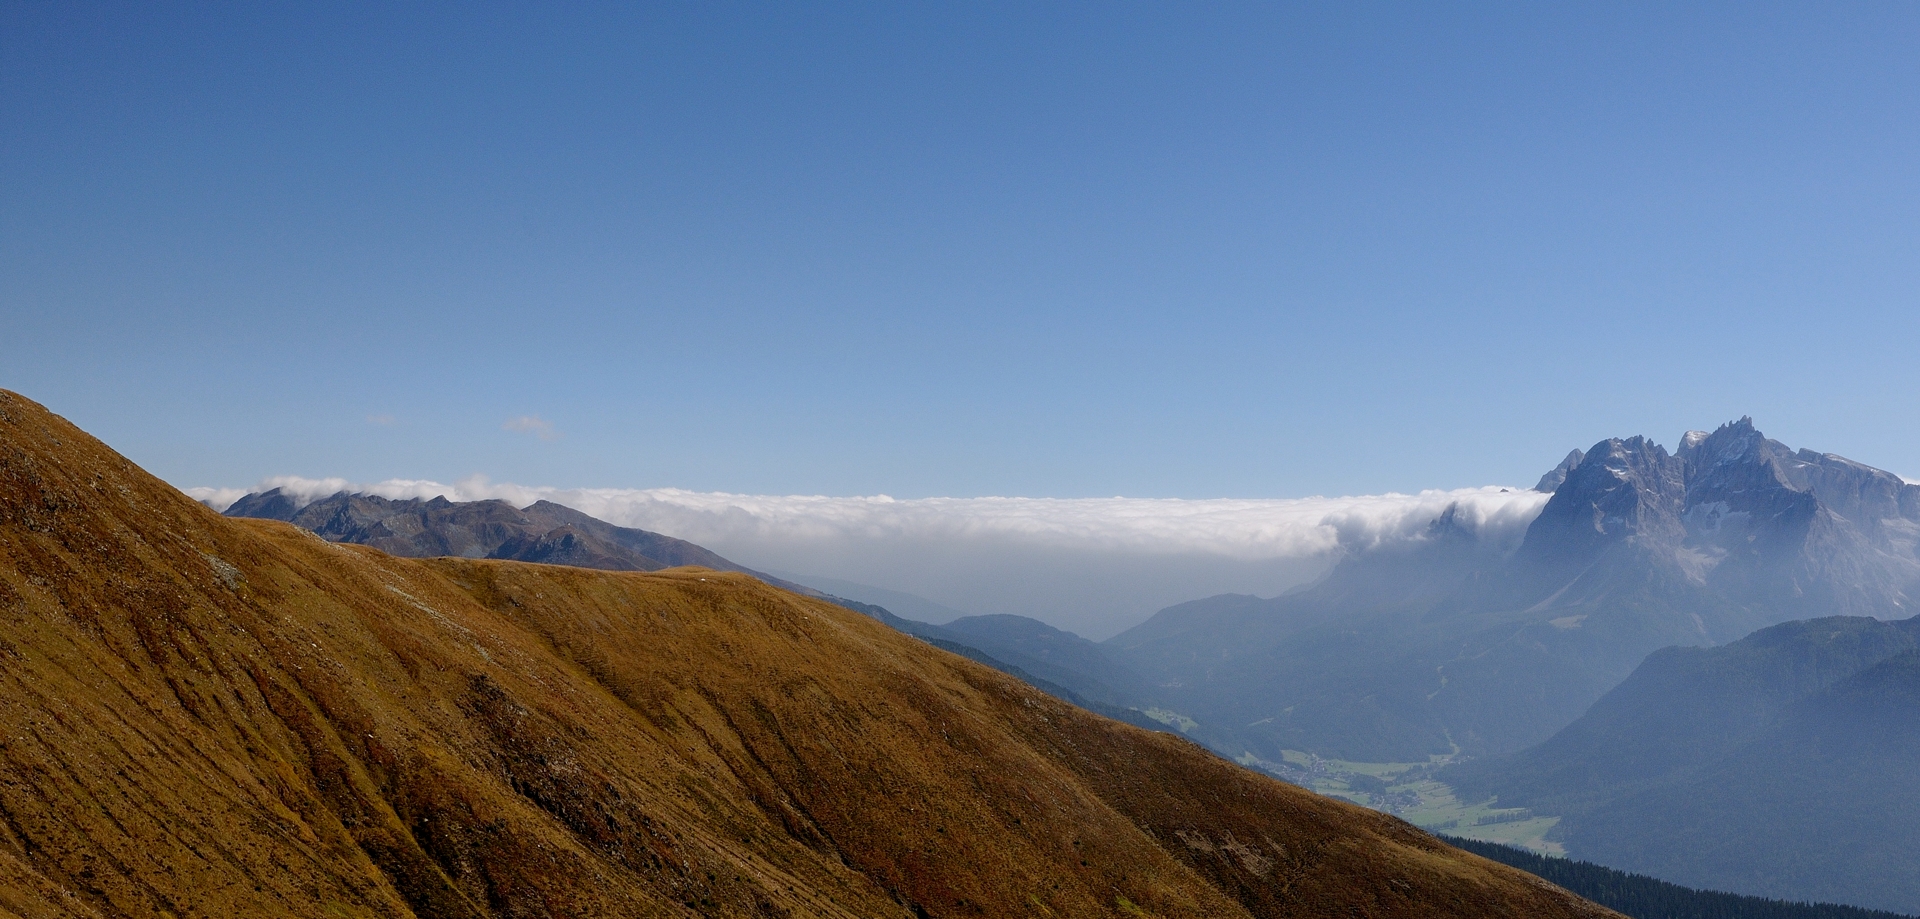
(385, 421)
(532, 424)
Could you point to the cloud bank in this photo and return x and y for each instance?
(1092, 565)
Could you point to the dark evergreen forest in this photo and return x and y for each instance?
(1643, 897)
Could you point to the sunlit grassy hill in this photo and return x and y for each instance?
(202, 716)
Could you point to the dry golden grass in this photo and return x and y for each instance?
(208, 717)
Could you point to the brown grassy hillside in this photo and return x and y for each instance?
(210, 717)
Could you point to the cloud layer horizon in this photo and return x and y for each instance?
(1095, 566)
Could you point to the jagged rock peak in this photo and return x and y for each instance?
(1620, 489)
(1551, 482)
(1618, 458)
(1764, 524)
(1690, 442)
(1731, 442)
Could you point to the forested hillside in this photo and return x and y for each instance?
(1780, 765)
(1643, 897)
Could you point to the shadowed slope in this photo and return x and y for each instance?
(204, 716)
(1681, 711)
(1780, 765)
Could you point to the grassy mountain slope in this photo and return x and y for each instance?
(554, 534)
(207, 716)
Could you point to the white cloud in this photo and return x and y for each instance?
(532, 424)
(305, 491)
(1094, 565)
(217, 498)
(1246, 528)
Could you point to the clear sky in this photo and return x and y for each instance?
(958, 249)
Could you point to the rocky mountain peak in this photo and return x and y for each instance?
(1736, 469)
(1623, 469)
(1690, 442)
(1731, 443)
(1772, 525)
(1550, 482)
(1620, 489)
(273, 505)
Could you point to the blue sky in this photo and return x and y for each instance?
(921, 250)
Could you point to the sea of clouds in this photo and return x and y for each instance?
(1091, 565)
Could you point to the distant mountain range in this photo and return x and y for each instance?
(1448, 643)
(1782, 765)
(912, 606)
(541, 532)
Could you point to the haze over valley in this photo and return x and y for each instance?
(1094, 566)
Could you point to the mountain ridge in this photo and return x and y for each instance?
(549, 533)
(540, 532)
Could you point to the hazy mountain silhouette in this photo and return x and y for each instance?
(1448, 641)
(912, 606)
(1780, 765)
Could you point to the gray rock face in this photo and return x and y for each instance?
(568, 546)
(1759, 524)
(1797, 531)
(1621, 490)
(1550, 482)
